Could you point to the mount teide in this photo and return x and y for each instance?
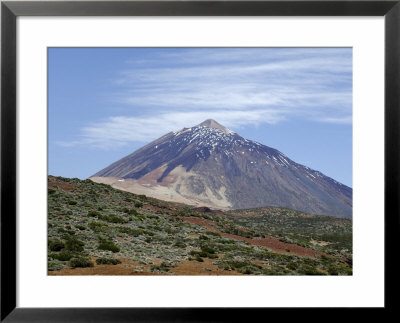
(210, 165)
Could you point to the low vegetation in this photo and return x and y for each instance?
(92, 225)
(107, 261)
(330, 235)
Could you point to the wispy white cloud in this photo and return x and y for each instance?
(172, 89)
(343, 120)
(119, 131)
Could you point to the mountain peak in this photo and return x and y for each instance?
(211, 123)
(209, 165)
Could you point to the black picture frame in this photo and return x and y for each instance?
(10, 10)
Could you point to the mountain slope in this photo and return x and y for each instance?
(211, 165)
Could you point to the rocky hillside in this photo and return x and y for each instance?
(211, 165)
(94, 229)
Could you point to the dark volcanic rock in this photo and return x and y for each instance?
(221, 165)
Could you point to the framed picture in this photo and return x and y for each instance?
(142, 164)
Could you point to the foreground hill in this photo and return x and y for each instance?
(211, 165)
(94, 229)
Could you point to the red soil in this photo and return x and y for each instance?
(268, 242)
(196, 268)
(127, 267)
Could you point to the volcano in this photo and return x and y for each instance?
(210, 165)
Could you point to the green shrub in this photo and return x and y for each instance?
(171, 230)
(53, 265)
(339, 269)
(51, 191)
(180, 244)
(72, 202)
(93, 214)
(324, 258)
(242, 266)
(80, 227)
(203, 254)
(112, 218)
(62, 230)
(164, 267)
(309, 270)
(128, 211)
(239, 232)
(73, 244)
(226, 241)
(56, 245)
(62, 256)
(108, 245)
(332, 270)
(246, 270)
(98, 226)
(292, 265)
(80, 262)
(138, 204)
(211, 233)
(207, 249)
(149, 233)
(107, 261)
(131, 231)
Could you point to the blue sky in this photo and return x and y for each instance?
(104, 103)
